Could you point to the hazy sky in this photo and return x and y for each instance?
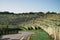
(19, 6)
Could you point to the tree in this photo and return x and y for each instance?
(48, 12)
(53, 12)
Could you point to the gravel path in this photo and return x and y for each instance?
(20, 36)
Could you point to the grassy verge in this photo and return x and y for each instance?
(40, 35)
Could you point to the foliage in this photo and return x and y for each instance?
(31, 20)
(40, 35)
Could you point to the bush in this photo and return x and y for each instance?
(1, 32)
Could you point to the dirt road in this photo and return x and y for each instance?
(19, 36)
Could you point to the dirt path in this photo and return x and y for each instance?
(20, 36)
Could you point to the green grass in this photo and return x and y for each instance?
(40, 35)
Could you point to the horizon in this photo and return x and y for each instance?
(25, 6)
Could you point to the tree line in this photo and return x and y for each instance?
(6, 12)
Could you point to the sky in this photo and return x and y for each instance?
(19, 6)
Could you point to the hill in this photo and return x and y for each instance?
(50, 21)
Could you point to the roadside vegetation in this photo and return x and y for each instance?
(40, 35)
(33, 21)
